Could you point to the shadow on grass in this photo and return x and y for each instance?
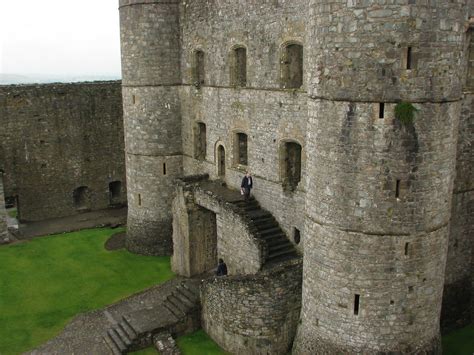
(459, 342)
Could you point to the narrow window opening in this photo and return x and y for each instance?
(292, 67)
(406, 248)
(164, 168)
(139, 199)
(198, 68)
(200, 141)
(397, 189)
(392, 302)
(296, 235)
(409, 58)
(134, 99)
(221, 161)
(239, 67)
(242, 152)
(291, 165)
(381, 110)
(356, 304)
(410, 289)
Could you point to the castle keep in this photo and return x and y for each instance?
(304, 94)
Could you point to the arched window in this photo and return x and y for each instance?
(198, 68)
(115, 192)
(292, 66)
(220, 161)
(241, 153)
(200, 143)
(80, 197)
(291, 165)
(238, 69)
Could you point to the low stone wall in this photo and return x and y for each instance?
(255, 314)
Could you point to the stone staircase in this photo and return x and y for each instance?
(123, 336)
(278, 247)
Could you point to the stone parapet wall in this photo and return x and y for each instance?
(253, 314)
(55, 138)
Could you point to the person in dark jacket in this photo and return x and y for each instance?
(246, 186)
(221, 268)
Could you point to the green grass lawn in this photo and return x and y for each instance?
(12, 212)
(197, 343)
(459, 342)
(48, 280)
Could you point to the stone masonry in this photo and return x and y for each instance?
(372, 204)
(3, 213)
(61, 146)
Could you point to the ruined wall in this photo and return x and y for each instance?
(268, 114)
(3, 212)
(56, 138)
(253, 314)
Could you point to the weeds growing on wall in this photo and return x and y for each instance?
(405, 112)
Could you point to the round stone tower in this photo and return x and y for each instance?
(379, 187)
(151, 79)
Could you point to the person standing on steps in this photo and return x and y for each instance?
(246, 186)
(221, 268)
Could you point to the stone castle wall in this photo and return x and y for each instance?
(253, 314)
(3, 212)
(55, 138)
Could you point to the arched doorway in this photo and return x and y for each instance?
(221, 161)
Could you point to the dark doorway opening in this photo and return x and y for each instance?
(292, 66)
(81, 198)
(115, 193)
(200, 141)
(291, 165)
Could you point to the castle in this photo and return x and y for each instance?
(304, 94)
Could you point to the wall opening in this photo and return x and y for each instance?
(200, 141)
(139, 199)
(409, 58)
(356, 304)
(80, 197)
(198, 72)
(115, 192)
(134, 99)
(164, 168)
(381, 110)
(397, 189)
(296, 235)
(406, 248)
(221, 161)
(241, 149)
(239, 67)
(292, 66)
(291, 170)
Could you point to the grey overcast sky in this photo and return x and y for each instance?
(59, 37)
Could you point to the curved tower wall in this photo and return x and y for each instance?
(151, 79)
(361, 239)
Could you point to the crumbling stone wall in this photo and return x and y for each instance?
(55, 138)
(253, 314)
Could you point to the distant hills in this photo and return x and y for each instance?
(8, 79)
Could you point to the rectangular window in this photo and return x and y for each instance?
(134, 99)
(381, 110)
(164, 168)
(409, 58)
(139, 199)
(406, 248)
(242, 154)
(397, 189)
(356, 304)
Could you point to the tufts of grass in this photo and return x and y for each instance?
(405, 112)
(47, 281)
(13, 213)
(459, 342)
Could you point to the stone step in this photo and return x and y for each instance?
(112, 346)
(116, 339)
(263, 226)
(259, 214)
(286, 252)
(193, 290)
(123, 335)
(192, 296)
(183, 298)
(281, 245)
(270, 231)
(173, 310)
(177, 304)
(263, 220)
(127, 328)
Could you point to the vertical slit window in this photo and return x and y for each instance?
(406, 248)
(381, 110)
(199, 75)
(139, 199)
(291, 165)
(239, 67)
(242, 153)
(356, 304)
(164, 168)
(200, 141)
(134, 99)
(409, 58)
(397, 189)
